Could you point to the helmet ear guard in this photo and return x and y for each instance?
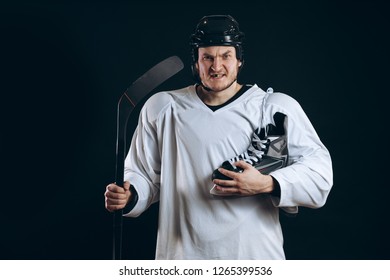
(194, 71)
(216, 30)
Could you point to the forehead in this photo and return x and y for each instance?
(215, 50)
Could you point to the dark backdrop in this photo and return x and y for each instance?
(65, 65)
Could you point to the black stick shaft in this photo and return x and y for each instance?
(133, 95)
(125, 106)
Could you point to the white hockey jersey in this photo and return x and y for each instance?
(177, 145)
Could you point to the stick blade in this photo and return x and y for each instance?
(154, 77)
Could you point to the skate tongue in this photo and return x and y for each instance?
(252, 151)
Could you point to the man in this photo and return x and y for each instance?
(183, 136)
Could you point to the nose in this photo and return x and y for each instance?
(217, 64)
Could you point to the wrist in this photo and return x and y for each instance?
(275, 187)
(133, 199)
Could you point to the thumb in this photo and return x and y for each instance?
(126, 185)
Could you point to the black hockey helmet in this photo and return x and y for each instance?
(217, 30)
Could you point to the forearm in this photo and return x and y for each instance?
(305, 183)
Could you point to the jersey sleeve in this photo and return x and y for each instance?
(143, 161)
(308, 177)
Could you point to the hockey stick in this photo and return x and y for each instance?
(130, 98)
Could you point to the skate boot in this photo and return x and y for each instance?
(267, 151)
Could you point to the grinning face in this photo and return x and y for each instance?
(217, 67)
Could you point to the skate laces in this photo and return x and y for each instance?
(259, 146)
(254, 153)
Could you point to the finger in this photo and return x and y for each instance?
(227, 190)
(243, 164)
(115, 195)
(115, 188)
(228, 173)
(115, 203)
(225, 183)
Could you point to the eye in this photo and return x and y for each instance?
(227, 56)
(207, 58)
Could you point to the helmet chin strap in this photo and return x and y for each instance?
(209, 89)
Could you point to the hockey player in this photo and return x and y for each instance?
(271, 157)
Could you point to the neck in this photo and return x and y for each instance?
(215, 98)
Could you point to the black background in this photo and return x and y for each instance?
(64, 66)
